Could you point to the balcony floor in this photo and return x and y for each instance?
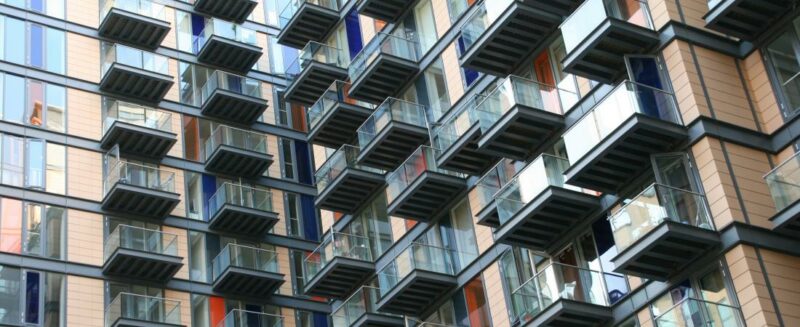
(392, 145)
(127, 27)
(574, 314)
(242, 221)
(339, 278)
(559, 7)
(140, 265)
(139, 201)
(309, 23)
(231, 161)
(424, 198)
(137, 84)
(338, 126)
(234, 107)
(229, 55)
(349, 191)
(247, 283)
(378, 320)
(746, 19)
(138, 141)
(231, 10)
(312, 83)
(126, 322)
(386, 10)
(519, 132)
(464, 156)
(384, 77)
(416, 293)
(787, 221)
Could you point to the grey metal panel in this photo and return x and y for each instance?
(128, 27)
(141, 265)
(127, 199)
(521, 132)
(385, 76)
(242, 221)
(350, 190)
(310, 22)
(378, 320)
(312, 82)
(138, 140)
(416, 292)
(385, 10)
(422, 199)
(234, 107)
(746, 19)
(338, 125)
(233, 10)
(464, 154)
(229, 54)
(392, 145)
(564, 312)
(233, 161)
(129, 322)
(247, 283)
(339, 278)
(134, 83)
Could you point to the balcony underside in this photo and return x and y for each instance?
(558, 7)
(378, 320)
(231, 161)
(488, 216)
(312, 82)
(134, 83)
(309, 23)
(464, 156)
(247, 283)
(242, 221)
(386, 10)
(547, 218)
(572, 313)
(416, 292)
(228, 54)
(128, 322)
(666, 250)
(384, 77)
(519, 132)
(339, 277)
(624, 154)
(139, 201)
(349, 191)
(393, 144)
(234, 107)
(426, 196)
(232, 10)
(138, 265)
(787, 221)
(127, 27)
(601, 56)
(138, 141)
(746, 19)
(338, 126)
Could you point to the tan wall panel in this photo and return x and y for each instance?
(661, 11)
(171, 40)
(784, 155)
(84, 236)
(452, 73)
(750, 286)
(584, 85)
(493, 283)
(367, 28)
(84, 302)
(398, 228)
(258, 13)
(278, 206)
(441, 16)
(749, 167)
(725, 89)
(693, 12)
(186, 304)
(177, 128)
(83, 56)
(717, 182)
(84, 174)
(285, 269)
(263, 61)
(84, 114)
(644, 317)
(685, 81)
(174, 92)
(274, 169)
(269, 114)
(783, 275)
(183, 249)
(761, 93)
(83, 12)
(288, 317)
(180, 209)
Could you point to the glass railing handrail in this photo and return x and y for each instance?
(227, 30)
(140, 7)
(137, 115)
(121, 54)
(336, 93)
(514, 181)
(382, 43)
(143, 308)
(481, 19)
(240, 195)
(246, 318)
(333, 241)
(515, 90)
(783, 182)
(592, 13)
(391, 110)
(642, 193)
(446, 134)
(317, 52)
(247, 257)
(140, 239)
(139, 175)
(345, 157)
(237, 138)
(288, 12)
(219, 80)
(707, 311)
(421, 161)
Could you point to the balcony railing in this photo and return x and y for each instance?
(592, 13)
(694, 312)
(316, 52)
(240, 256)
(417, 256)
(127, 306)
(386, 44)
(784, 183)
(481, 19)
(340, 160)
(363, 301)
(137, 115)
(517, 91)
(455, 127)
(337, 245)
(139, 175)
(244, 318)
(391, 110)
(140, 239)
(227, 30)
(490, 183)
(292, 7)
(240, 195)
(236, 138)
(132, 57)
(336, 93)
(421, 161)
(219, 80)
(145, 8)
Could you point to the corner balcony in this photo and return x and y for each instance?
(784, 186)
(745, 19)
(232, 98)
(228, 46)
(232, 10)
(246, 271)
(695, 312)
(244, 318)
(419, 189)
(360, 310)
(611, 144)
(481, 196)
(661, 231)
(383, 67)
(316, 67)
(335, 117)
(242, 211)
(133, 310)
(139, 131)
(307, 20)
(521, 115)
(393, 131)
(138, 190)
(138, 22)
(600, 33)
(537, 209)
(386, 10)
(134, 74)
(236, 152)
(141, 254)
(343, 185)
(457, 142)
(339, 265)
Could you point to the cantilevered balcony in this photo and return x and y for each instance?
(360, 310)
(784, 186)
(138, 130)
(242, 211)
(244, 318)
(236, 152)
(386, 10)
(134, 74)
(343, 185)
(500, 34)
(695, 312)
(419, 189)
(228, 46)
(137, 22)
(311, 74)
(393, 131)
(661, 231)
(746, 19)
(141, 254)
(233, 10)
(521, 115)
(600, 33)
(138, 190)
(335, 117)
(481, 196)
(339, 265)
(246, 271)
(307, 20)
(457, 141)
(134, 310)
(232, 97)
(537, 209)
(611, 144)
(383, 67)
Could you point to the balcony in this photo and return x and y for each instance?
(500, 34)
(661, 231)
(343, 185)
(694, 312)
(233, 98)
(419, 189)
(339, 265)
(481, 196)
(784, 186)
(386, 10)
(139, 131)
(391, 133)
(335, 117)
(228, 46)
(537, 209)
(360, 310)
(243, 318)
(746, 19)
(246, 271)
(134, 74)
(137, 22)
(611, 144)
(520, 116)
(236, 152)
(316, 67)
(233, 10)
(600, 33)
(307, 20)
(133, 310)
(141, 254)
(242, 211)
(383, 67)
(138, 190)
(457, 142)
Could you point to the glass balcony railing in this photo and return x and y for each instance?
(244, 318)
(143, 308)
(451, 130)
(236, 138)
(592, 13)
(132, 57)
(246, 257)
(224, 29)
(219, 80)
(240, 195)
(335, 94)
(656, 204)
(386, 44)
(514, 91)
(140, 239)
(417, 256)
(145, 8)
(624, 101)
(337, 245)
(340, 160)
(411, 322)
(422, 160)
(139, 175)
(694, 312)
(481, 19)
(363, 301)
(391, 110)
(489, 184)
(316, 52)
(293, 6)
(784, 182)
(136, 115)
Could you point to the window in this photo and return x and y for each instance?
(463, 230)
(422, 25)
(710, 286)
(477, 306)
(44, 231)
(34, 45)
(294, 224)
(52, 8)
(10, 280)
(200, 311)
(281, 108)
(288, 167)
(198, 257)
(31, 298)
(32, 163)
(10, 226)
(434, 88)
(192, 79)
(783, 56)
(42, 105)
(273, 9)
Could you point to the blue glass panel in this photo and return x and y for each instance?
(460, 308)
(14, 99)
(289, 56)
(320, 320)
(14, 41)
(198, 24)
(353, 28)
(32, 297)
(37, 5)
(36, 46)
(209, 185)
(310, 224)
(304, 169)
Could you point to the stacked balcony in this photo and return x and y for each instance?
(307, 20)
(391, 133)
(141, 254)
(600, 33)
(139, 190)
(536, 208)
(228, 46)
(133, 310)
(242, 211)
(481, 196)
(233, 10)
(246, 272)
(237, 152)
(746, 19)
(419, 189)
(611, 144)
(338, 266)
(139, 131)
(661, 231)
(383, 67)
(360, 310)
(311, 74)
(386, 10)
(232, 98)
(784, 186)
(138, 22)
(134, 74)
(343, 185)
(457, 142)
(244, 318)
(695, 312)
(335, 117)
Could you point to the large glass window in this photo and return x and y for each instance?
(10, 226)
(52, 8)
(198, 257)
(288, 162)
(784, 58)
(432, 88)
(293, 210)
(32, 163)
(31, 298)
(37, 45)
(44, 231)
(41, 104)
(10, 279)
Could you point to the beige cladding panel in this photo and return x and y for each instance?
(288, 317)
(185, 300)
(685, 81)
(441, 16)
(177, 128)
(278, 206)
(83, 58)
(183, 249)
(398, 228)
(171, 40)
(263, 61)
(749, 167)
(784, 279)
(84, 114)
(762, 93)
(269, 115)
(274, 169)
(367, 28)
(85, 303)
(717, 182)
(174, 92)
(725, 89)
(84, 174)
(452, 73)
(83, 12)
(84, 237)
(285, 269)
(493, 284)
(750, 287)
